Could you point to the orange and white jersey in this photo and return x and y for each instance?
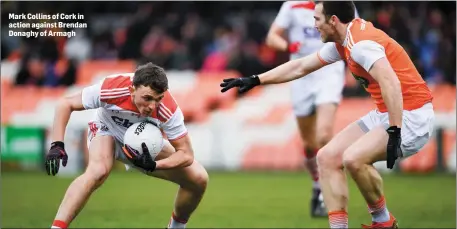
(115, 109)
(363, 46)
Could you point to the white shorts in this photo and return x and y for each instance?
(322, 86)
(417, 127)
(98, 128)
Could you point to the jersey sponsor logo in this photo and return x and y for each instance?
(104, 128)
(121, 122)
(311, 32)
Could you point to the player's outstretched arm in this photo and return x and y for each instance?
(62, 114)
(292, 70)
(183, 157)
(286, 72)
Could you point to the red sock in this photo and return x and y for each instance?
(183, 221)
(338, 219)
(379, 205)
(176, 222)
(59, 224)
(311, 163)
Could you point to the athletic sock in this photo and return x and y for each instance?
(311, 165)
(176, 223)
(378, 211)
(59, 224)
(316, 185)
(338, 219)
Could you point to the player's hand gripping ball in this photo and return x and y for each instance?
(143, 141)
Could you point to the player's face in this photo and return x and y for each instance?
(145, 99)
(325, 27)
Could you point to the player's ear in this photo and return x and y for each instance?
(332, 20)
(131, 89)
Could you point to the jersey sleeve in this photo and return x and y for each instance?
(366, 53)
(283, 18)
(329, 53)
(91, 96)
(175, 128)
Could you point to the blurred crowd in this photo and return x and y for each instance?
(209, 36)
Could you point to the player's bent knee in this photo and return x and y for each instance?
(326, 159)
(201, 180)
(322, 158)
(97, 174)
(198, 180)
(351, 163)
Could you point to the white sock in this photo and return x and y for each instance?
(176, 224)
(379, 212)
(316, 185)
(56, 227)
(338, 219)
(381, 215)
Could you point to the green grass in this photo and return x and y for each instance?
(232, 200)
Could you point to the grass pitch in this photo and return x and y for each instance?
(233, 200)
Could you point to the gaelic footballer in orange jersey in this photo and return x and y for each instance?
(365, 44)
(400, 126)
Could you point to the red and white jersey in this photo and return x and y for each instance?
(115, 109)
(297, 17)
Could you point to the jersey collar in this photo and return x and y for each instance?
(347, 35)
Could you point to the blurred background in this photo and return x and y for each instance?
(248, 140)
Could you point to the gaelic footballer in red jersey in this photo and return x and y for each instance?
(121, 100)
(400, 126)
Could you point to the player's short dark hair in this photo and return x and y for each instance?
(344, 10)
(151, 75)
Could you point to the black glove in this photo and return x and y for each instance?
(245, 83)
(55, 154)
(393, 146)
(141, 160)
